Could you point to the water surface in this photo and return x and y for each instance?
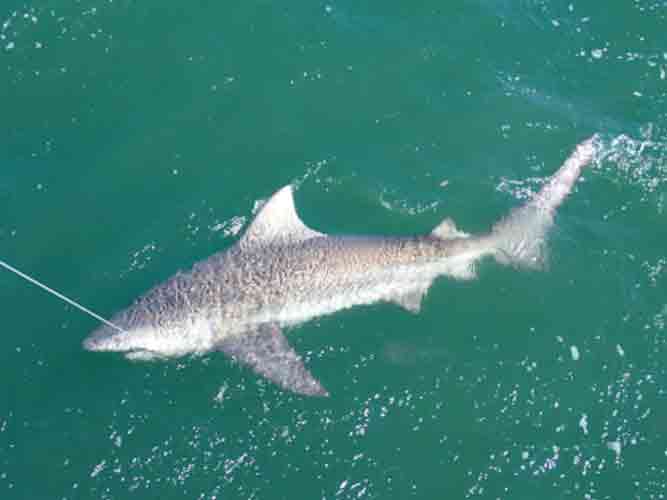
(138, 138)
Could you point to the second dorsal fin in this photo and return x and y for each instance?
(447, 230)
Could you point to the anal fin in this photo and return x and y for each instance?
(268, 353)
(411, 301)
(464, 272)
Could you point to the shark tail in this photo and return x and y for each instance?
(520, 238)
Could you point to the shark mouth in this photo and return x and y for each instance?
(142, 355)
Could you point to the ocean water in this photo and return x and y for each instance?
(140, 136)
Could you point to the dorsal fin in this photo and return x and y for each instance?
(447, 230)
(277, 222)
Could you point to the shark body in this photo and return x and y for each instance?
(282, 273)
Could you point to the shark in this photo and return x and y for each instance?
(282, 273)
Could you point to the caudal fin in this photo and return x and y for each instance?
(520, 238)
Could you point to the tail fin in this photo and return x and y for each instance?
(520, 238)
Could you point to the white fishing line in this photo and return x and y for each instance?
(60, 296)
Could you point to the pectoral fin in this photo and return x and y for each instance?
(268, 353)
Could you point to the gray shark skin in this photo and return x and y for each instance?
(282, 273)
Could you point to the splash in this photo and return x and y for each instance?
(392, 203)
(637, 162)
(641, 163)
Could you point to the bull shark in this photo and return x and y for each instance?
(282, 273)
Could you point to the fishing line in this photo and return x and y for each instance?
(60, 296)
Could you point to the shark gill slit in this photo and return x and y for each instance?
(59, 295)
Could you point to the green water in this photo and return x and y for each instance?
(137, 138)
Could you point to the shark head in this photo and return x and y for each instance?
(141, 335)
(162, 323)
(135, 343)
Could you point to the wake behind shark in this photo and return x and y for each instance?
(282, 273)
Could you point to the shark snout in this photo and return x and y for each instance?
(88, 344)
(102, 339)
(92, 343)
